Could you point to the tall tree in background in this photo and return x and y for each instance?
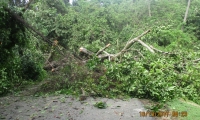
(18, 2)
(186, 12)
(149, 7)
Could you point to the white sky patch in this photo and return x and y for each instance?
(71, 1)
(25, 0)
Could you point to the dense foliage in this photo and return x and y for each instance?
(93, 24)
(18, 59)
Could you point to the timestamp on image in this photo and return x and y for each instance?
(163, 114)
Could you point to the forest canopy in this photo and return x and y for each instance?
(64, 43)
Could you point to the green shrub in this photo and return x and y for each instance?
(170, 38)
(155, 78)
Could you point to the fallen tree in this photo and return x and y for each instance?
(102, 54)
(49, 65)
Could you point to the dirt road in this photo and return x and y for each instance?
(68, 108)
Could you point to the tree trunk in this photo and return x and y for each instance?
(186, 12)
(125, 49)
(149, 7)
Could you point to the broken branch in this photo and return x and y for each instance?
(100, 51)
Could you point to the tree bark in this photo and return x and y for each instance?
(17, 17)
(28, 4)
(100, 51)
(197, 60)
(149, 7)
(186, 12)
(113, 56)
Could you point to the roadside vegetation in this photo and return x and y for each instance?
(48, 48)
